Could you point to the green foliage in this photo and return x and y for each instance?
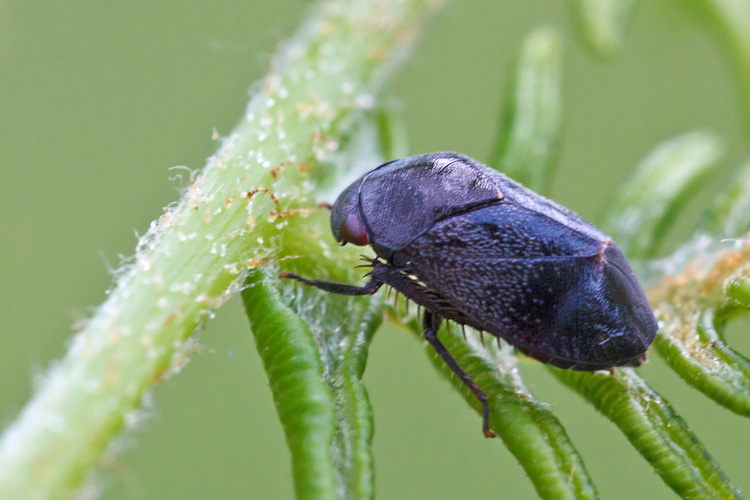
(251, 214)
(314, 349)
(655, 430)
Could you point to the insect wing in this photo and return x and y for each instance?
(401, 200)
(558, 294)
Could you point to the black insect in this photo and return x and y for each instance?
(472, 246)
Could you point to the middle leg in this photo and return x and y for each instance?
(431, 325)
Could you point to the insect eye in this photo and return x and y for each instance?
(352, 230)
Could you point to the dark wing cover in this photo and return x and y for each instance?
(402, 199)
(563, 296)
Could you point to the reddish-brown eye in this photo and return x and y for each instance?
(353, 231)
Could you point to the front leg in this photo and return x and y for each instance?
(341, 288)
(431, 325)
(385, 274)
(381, 274)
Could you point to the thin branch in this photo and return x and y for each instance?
(193, 257)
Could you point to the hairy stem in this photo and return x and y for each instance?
(193, 257)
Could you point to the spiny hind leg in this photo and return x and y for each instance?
(369, 288)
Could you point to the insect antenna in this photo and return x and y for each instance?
(481, 336)
(498, 343)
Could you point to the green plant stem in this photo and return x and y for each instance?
(308, 422)
(693, 308)
(324, 409)
(314, 349)
(192, 258)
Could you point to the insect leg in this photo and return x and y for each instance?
(431, 323)
(370, 287)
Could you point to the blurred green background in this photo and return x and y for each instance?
(99, 99)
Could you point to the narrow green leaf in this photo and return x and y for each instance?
(358, 428)
(705, 283)
(602, 24)
(649, 202)
(730, 19)
(527, 427)
(659, 434)
(314, 348)
(530, 127)
(696, 351)
(295, 374)
(730, 215)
